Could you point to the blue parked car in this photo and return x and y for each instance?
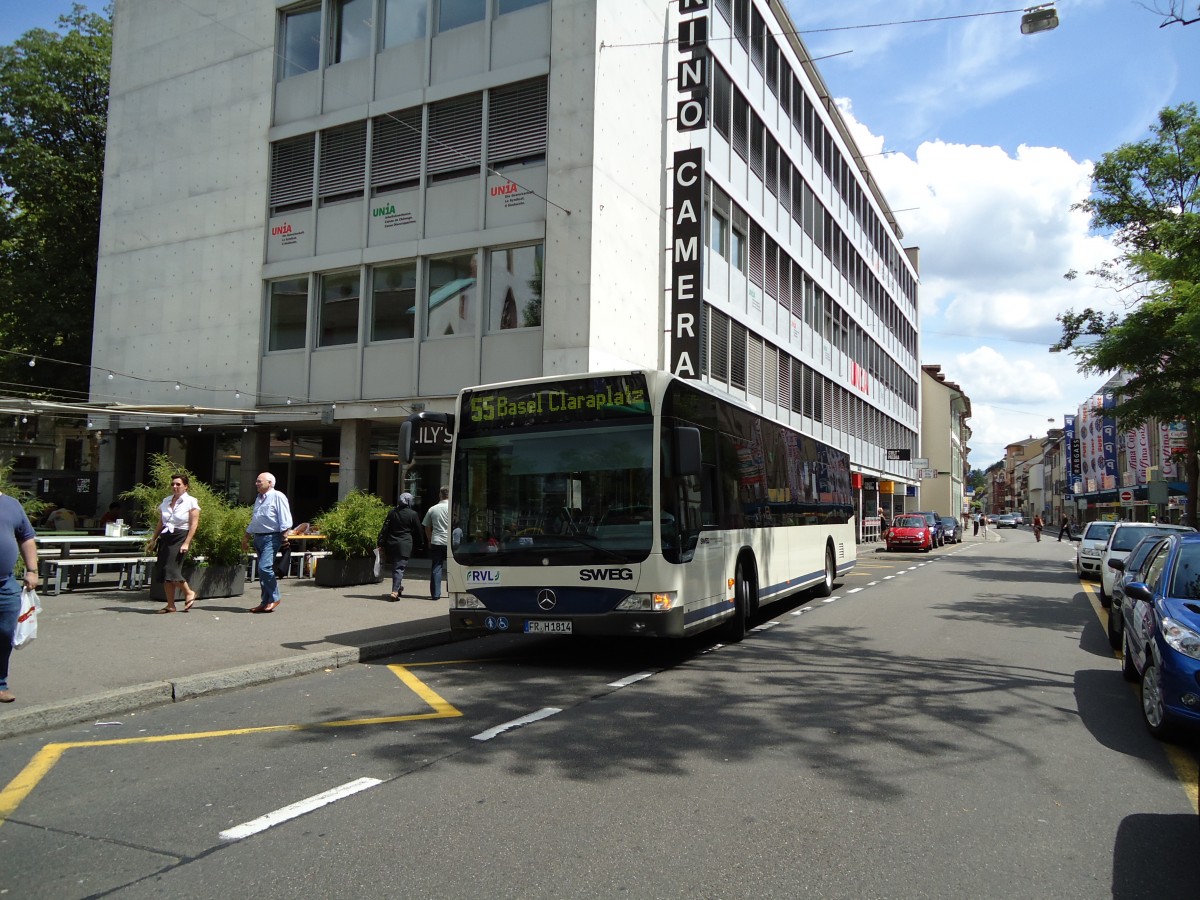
(952, 530)
(1161, 643)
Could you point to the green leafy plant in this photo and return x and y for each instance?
(219, 535)
(351, 526)
(32, 505)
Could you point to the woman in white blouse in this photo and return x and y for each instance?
(179, 515)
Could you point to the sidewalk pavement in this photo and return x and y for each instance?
(105, 651)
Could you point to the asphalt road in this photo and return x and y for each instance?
(951, 725)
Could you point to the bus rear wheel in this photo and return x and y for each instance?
(825, 588)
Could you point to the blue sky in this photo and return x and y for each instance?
(995, 133)
(990, 137)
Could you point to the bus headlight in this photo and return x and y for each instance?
(467, 601)
(649, 602)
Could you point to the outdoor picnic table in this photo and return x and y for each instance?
(79, 556)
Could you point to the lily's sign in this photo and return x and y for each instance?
(687, 192)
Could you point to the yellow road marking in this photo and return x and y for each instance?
(1184, 764)
(44, 760)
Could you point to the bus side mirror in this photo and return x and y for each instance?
(687, 451)
(427, 428)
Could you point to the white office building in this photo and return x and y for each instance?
(320, 216)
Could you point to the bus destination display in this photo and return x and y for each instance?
(583, 400)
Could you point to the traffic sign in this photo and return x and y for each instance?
(1126, 496)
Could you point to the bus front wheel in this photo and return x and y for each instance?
(743, 606)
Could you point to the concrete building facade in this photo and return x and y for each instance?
(945, 408)
(321, 216)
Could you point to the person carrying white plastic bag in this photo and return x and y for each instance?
(26, 630)
(17, 537)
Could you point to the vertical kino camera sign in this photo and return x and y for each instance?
(687, 193)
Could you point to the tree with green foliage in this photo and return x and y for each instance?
(1146, 195)
(53, 118)
(32, 505)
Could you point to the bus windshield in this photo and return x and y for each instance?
(554, 495)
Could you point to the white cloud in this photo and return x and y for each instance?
(996, 234)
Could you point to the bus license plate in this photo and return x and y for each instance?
(554, 626)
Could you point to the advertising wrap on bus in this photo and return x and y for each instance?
(636, 503)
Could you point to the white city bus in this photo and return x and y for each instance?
(635, 503)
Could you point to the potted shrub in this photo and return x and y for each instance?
(221, 570)
(350, 528)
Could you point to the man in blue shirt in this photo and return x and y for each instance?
(272, 517)
(16, 539)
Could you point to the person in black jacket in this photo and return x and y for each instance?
(400, 536)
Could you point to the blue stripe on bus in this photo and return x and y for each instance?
(706, 612)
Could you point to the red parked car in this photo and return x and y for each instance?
(909, 532)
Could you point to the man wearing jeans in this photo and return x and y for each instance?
(437, 536)
(16, 539)
(272, 517)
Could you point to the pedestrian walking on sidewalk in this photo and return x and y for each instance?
(437, 535)
(271, 518)
(400, 536)
(178, 517)
(983, 524)
(1037, 527)
(1064, 528)
(17, 538)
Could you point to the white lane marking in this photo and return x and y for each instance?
(765, 625)
(853, 590)
(888, 577)
(295, 810)
(543, 713)
(831, 599)
(630, 679)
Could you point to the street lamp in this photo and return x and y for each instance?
(1039, 18)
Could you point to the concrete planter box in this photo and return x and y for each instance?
(207, 582)
(332, 572)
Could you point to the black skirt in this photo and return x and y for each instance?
(169, 565)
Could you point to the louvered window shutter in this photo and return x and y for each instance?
(737, 354)
(343, 161)
(292, 173)
(396, 150)
(517, 122)
(455, 136)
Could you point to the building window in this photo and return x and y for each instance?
(452, 287)
(515, 279)
(343, 162)
(737, 249)
(517, 124)
(339, 309)
(292, 174)
(722, 101)
(301, 41)
(719, 235)
(455, 137)
(288, 314)
(351, 30)
(456, 13)
(507, 6)
(396, 151)
(403, 21)
(394, 302)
